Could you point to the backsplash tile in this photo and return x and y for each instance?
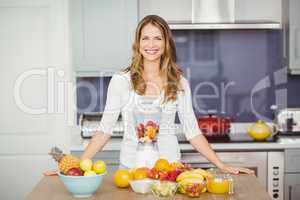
(223, 68)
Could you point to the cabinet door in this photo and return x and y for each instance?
(102, 33)
(292, 161)
(34, 59)
(170, 10)
(292, 187)
(260, 10)
(294, 39)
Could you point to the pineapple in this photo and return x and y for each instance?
(65, 161)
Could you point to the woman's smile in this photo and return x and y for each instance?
(151, 51)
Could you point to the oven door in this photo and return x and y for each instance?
(256, 161)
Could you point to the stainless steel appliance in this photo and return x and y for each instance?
(268, 166)
(288, 121)
(89, 123)
(215, 14)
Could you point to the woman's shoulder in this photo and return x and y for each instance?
(121, 79)
(121, 76)
(184, 83)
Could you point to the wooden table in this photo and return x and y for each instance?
(247, 187)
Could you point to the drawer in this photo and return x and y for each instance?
(292, 160)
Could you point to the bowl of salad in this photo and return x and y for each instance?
(164, 190)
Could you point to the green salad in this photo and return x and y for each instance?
(164, 188)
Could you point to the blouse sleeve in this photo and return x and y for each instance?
(113, 104)
(186, 112)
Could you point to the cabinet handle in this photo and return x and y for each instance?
(296, 43)
(290, 192)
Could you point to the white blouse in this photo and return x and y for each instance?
(122, 98)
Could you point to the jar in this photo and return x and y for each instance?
(220, 183)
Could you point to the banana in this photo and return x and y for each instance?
(203, 172)
(189, 175)
(190, 181)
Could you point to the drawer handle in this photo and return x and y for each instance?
(290, 192)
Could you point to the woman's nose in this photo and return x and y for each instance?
(151, 43)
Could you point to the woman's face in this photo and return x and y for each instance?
(152, 43)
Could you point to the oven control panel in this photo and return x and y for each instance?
(276, 175)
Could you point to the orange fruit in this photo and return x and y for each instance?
(122, 178)
(162, 165)
(140, 174)
(151, 132)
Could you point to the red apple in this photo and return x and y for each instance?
(75, 172)
(172, 175)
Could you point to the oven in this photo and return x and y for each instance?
(268, 166)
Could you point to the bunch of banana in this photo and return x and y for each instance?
(192, 182)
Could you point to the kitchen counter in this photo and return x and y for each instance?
(247, 187)
(79, 144)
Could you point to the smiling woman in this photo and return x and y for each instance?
(153, 78)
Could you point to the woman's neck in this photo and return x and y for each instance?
(151, 68)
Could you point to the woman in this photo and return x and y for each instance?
(153, 72)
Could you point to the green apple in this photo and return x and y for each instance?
(99, 167)
(86, 164)
(89, 173)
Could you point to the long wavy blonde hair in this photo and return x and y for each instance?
(169, 70)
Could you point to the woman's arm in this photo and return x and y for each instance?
(202, 146)
(109, 118)
(96, 144)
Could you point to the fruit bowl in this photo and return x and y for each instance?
(142, 186)
(164, 190)
(82, 186)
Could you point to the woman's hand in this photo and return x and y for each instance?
(235, 170)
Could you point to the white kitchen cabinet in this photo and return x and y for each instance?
(19, 174)
(294, 37)
(34, 59)
(258, 10)
(292, 174)
(170, 10)
(292, 187)
(102, 35)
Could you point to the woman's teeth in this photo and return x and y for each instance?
(152, 51)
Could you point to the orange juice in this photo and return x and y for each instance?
(220, 183)
(218, 186)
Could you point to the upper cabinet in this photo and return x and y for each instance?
(170, 10)
(293, 36)
(258, 10)
(212, 11)
(102, 35)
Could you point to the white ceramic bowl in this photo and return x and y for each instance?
(142, 186)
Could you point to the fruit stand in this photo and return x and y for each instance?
(247, 187)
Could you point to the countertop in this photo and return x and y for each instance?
(246, 187)
(79, 144)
